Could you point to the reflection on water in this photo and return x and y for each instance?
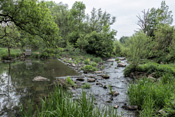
(16, 81)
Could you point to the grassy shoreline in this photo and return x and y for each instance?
(154, 91)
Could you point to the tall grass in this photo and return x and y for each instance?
(61, 104)
(151, 96)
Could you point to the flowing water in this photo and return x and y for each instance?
(16, 82)
(118, 82)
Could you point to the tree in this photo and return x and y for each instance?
(164, 37)
(60, 13)
(138, 44)
(12, 38)
(29, 15)
(123, 39)
(154, 17)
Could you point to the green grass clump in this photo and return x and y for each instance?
(13, 52)
(151, 67)
(152, 96)
(61, 104)
(87, 61)
(69, 81)
(89, 68)
(117, 59)
(94, 64)
(86, 86)
(97, 60)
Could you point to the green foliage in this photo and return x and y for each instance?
(86, 86)
(110, 89)
(69, 81)
(170, 106)
(94, 64)
(128, 70)
(14, 53)
(117, 59)
(123, 39)
(60, 104)
(89, 68)
(87, 61)
(151, 96)
(97, 60)
(137, 51)
(151, 67)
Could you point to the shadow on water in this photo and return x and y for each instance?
(16, 82)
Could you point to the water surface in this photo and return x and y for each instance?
(16, 83)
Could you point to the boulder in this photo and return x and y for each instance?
(111, 60)
(115, 93)
(129, 107)
(105, 76)
(80, 79)
(73, 65)
(40, 78)
(116, 106)
(91, 79)
(123, 58)
(98, 72)
(121, 65)
(162, 112)
(105, 87)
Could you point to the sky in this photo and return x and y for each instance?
(125, 11)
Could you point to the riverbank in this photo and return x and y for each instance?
(153, 90)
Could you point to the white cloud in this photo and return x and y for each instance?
(125, 11)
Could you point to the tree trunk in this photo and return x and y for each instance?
(9, 53)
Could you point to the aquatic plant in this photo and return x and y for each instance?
(86, 86)
(69, 81)
(89, 68)
(60, 104)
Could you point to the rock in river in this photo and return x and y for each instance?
(115, 93)
(105, 76)
(121, 65)
(129, 107)
(40, 78)
(116, 106)
(98, 72)
(80, 79)
(111, 60)
(91, 79)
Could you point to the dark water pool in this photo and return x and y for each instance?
(16, 83)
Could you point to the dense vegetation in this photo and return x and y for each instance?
(60, 104)
(151, 54)
(54, 30)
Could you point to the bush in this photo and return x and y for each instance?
(94, 64)
(128, 70)
(87, 61)
(86, 86)
(69, 81)
(89, 68)
(97, 60)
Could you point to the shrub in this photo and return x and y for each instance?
(89, 68)
(87, 61)
(86, 86)
(69, 81)
(94, 64)
(97, 60)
